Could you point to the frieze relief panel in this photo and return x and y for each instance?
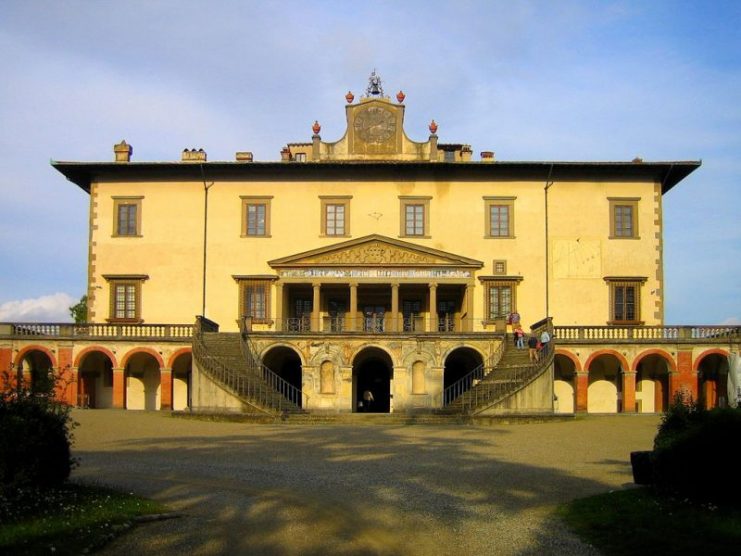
(374, 253)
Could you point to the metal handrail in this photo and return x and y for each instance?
(256, 367)
(244, 385)
(462, 385)
(492, 387)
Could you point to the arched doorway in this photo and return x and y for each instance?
(652, 384)
(142, 382)
(564, 383)
(372, 371)
(286, 363)
(95, 382)
(458, 365)
(712, 379)
(181, 377)
(605, 388)
(36, 371)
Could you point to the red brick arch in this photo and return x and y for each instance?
(704, 354)
(619, 356)
(146, 350)
(178, 353)
(23, 352)
(573, 358)
(91, 349)
(661, 353)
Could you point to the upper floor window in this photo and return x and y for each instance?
(415, 216)
(127, 216)
(256, 216)
(625, 300)
(125, 297)
(336, 216)
(500, 294)
(300, 157)
(254, 298)
(500, 217)
(623, 218)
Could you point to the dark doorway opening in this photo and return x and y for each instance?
(286, 363)
(460, 363)
(372, 372)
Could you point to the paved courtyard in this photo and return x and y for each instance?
(355, 489)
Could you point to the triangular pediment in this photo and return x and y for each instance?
(375, 250)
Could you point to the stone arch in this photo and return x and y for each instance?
(713, 351)
(459, 346)
(287, 345)
(95, 377)
(286, 361)
(619, 356)
(604, 390)
(653, 368)
(369, 345)
(98, 349)
(149, 351)
(34, 366)
(142, 379)
(565, 368)
(712, 378)
(671, 363)
(457, 367)
(372, 371)
(574, 359)
(178, 353)
(181, 365)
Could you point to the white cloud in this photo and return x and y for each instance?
(47, 308)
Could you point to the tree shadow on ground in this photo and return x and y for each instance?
(263, 489)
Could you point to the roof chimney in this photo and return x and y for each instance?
(487, 156)
(122, 152)
(244, 156)
(193, 155)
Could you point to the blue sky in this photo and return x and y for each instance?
(567, 80)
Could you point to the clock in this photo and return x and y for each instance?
(375, 124)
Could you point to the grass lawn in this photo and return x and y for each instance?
(638, 521)
(73, 519)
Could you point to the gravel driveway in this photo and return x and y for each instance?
(355, 489)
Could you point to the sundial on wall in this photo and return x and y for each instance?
(375, 124)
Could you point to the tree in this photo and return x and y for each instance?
(79, 311)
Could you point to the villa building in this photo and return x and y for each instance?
(374, 263)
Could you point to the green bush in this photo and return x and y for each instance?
(35, 436)
(695, 455)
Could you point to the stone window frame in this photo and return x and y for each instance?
(336, 200)
(415, 200)
(497, 201)
(490, 282)
(245, 284)
(616, 283)
(617, 204)
(122, 201)
(499, 267)
(116, 281)
(256, 200)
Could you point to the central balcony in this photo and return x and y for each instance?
(374, 324)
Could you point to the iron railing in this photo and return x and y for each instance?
(497, 384)
(274, 381)
(464, 384)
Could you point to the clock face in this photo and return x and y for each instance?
(375, 124)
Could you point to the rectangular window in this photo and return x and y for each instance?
(335, 215)
(125, 297)
(500, 294)
(625, 300)
(499, 267)
(623, 218)
(255, 304)
(415, 216)
(415, 220)
(335, 220)
(127, 216)
(499, 217)
(256, 216)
